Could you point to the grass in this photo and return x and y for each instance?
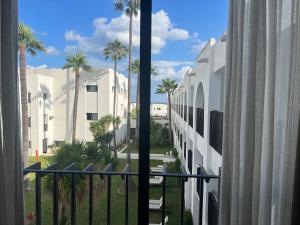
(154, 150)
(118, 199)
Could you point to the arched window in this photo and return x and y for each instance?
(200, 110)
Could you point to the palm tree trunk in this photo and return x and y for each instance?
(77, 78)
(137, 135)
(169, 112)
(24, 102)
(114, 110)
(129, 86)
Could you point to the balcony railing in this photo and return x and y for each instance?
(191, 116)
(216, 130)
(200, 121)
(89, 174)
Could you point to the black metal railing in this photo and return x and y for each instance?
(216, 130)
(191, 116)
(200, 121)
(88, 173)
(213, 209)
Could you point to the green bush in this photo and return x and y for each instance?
(158, 134)
(188, 218)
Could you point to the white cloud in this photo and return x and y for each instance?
(50, 50)
(171, 69)
(43, 66)
(117, 28)
(198, 46)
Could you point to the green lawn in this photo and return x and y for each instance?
(154, 150)
(118, 200)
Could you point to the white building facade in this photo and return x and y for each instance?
(51, 100)
(197, 115)
(159, 110)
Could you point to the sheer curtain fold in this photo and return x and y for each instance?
(11, 179)
(261, 112)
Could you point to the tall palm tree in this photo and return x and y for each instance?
(115, 51)
(167, 87)
(27, 42)
(77, 62)
(136, 70)
(131, 9)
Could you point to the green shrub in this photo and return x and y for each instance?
(188, 218)
(158, 134)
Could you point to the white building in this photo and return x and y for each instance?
(51, 100)
(197, 106)
(159, 110)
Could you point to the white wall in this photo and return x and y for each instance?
(59, 84)
(208, 74)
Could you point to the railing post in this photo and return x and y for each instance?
(108, 200)
(182, 203)
(38, 197)
(55, 199)
(91, 199)
(144, 130)
(201, 201)
(126, 200)
(73, 200)
(163, 201)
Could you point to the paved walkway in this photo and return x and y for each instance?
(152, 157)
(162, 157)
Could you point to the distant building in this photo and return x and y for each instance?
(159, 110)
(51, 99)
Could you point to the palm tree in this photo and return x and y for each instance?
(115, 51)
(167, 87)
(27, 42)
(77, 62)
(131, 8)
(136, 70)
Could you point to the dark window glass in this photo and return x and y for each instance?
(29, 144)
(29, 121)
(45, 96)
(200, 121)
(216, 130)
(191, 116)
(29, 97)
(91, 88)
(92, 116)
(199, 184)
(45, 145)
(190, 161)
(184, 150)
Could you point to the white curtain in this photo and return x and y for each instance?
(11, 190)
(261, 112)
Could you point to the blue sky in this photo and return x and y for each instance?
(180, 28)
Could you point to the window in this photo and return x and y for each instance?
(45, 122)
(29, 97)
(216, 131)
(44, 96)
(91, 88)
(199, 182)
(92, 116)
(29, 144)
(29, 121)
(45, 145)
(190, 161)
(158, 108)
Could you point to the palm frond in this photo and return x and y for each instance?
(27, 39)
